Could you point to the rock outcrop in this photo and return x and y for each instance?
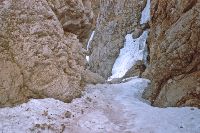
(40, 55)
(174, 44)
(136, 70)
(115, 20)
(75, 16)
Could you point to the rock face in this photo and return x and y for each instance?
(174, 44)
(116, 19)
(136, 70)
(76, 16)
(37, 57)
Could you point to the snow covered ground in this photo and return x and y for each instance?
(103, 108)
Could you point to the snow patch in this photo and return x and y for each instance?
(134, 50)
(88, 44)
(146, 13)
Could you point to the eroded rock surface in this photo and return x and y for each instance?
(116, 19)
(136, 70)
(174, 44)
(37, 57)
(76, 16)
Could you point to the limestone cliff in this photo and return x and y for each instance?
(40, 55)
(174, 44)
(76, 16)
(116, 19)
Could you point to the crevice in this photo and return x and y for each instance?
(191, 4)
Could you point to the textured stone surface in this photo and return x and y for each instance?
(37, 57)
(183, 90)
(76, 16)
(174, 50)
(116, 19)
(136, 70)
(92, 78)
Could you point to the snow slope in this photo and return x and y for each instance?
(116, 108)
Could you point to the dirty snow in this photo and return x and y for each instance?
(103, 108)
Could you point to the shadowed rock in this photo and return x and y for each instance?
(174, 53)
